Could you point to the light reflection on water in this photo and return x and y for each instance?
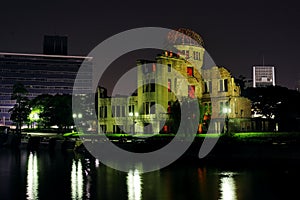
(32, 177)
(227, 186)
(134, 185)
(44, 175)
(81, 179)
(76, 180)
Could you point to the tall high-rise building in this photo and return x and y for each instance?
(263, 76)
(40, 74)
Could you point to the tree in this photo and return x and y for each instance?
(241, 81)
(60, 111)
(21, 110)
(278, 104)
(41, 104)
(53, 110)
(189, 115)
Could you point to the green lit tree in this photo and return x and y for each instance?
(41, 105)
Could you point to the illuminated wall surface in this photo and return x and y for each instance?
(173, 76)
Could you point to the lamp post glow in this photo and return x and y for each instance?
(76, 116)
(136, 114)
(79, 115)
(34, 116)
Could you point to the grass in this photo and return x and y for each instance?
(249, 137)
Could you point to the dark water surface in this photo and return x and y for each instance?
(57, 175)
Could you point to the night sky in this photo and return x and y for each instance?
(237, 34)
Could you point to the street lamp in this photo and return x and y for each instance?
(77, 116)
(227, 110)
(134, 116)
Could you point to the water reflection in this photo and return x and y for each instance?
(134, 185)
(32, 176)
(76, 180)
(227, 186)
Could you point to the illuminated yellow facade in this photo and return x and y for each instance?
(173, 76)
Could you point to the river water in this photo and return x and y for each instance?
(56, 175)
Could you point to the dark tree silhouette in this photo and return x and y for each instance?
(21, 110)
(277, 103)
(60, 111)
(187, 114)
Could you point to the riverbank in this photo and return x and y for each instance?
(238, 148)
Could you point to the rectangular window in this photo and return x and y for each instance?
(169, 107)
(226, 85)
(206, 90)
(190, 71)
(153, 67)
(105, 111)
(103, 128)
(143, 86)
(146, 108)
(191, 91)
(113, 111)
(207, 86)
(152, 85)
(123, 111)
(147, 68)
(147, 86)
(187, 54)
(169, 67)
(101, 112)
(169, 85)
(118, 111)
(196, 55)
(118, 129)
(223, 85)
(131, 109)
(152, 107)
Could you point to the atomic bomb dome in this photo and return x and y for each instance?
(184, 36)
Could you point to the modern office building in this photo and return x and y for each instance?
(40, 74)
(171, 77)
(263, 76)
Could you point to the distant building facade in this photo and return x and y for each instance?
(55, 45)
(40, 74)
(157, 85)
(263, 76)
